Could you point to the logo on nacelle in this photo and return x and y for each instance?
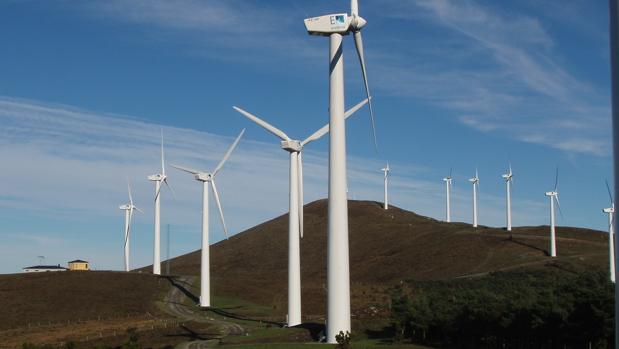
(338, 19)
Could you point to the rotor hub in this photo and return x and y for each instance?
(357, 22)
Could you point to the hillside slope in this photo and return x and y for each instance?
(385, 247)
(42, 298)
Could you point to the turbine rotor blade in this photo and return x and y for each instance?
(158, 191)
(128, 230)
(556, 179)
(612, 201)
(354, 7)
(162, 156)
(274, 130)
(221, 212)
(318, 134)
(360, 53)
(559, 206)
(129, 190)
(300, 196)
(227, 155)
(165, 181)
(186, 169)
(137, 208)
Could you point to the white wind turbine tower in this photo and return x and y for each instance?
(158, 179)
(475, 181)
(295, 221)
(554, 196)
(611, 233)
(128, 208)
(338, 269)
(386, 170)
(209, 178)
(447, 181)
(508, 190)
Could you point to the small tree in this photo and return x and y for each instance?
(343, 340)
(132, 343)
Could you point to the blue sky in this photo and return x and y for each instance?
(85, 87)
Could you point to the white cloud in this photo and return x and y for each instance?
(497, 72)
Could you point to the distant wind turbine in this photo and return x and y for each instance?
(508, 198)
(128, 208)
(447, 181)
(386, 170)
(611, 233)
(295, 221)
(475, 181)
(158, 179)
(209, 178)
(554, 196)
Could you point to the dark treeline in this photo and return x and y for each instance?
(525, 309)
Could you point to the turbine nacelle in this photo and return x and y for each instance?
(552, 193)
(609, 210)
(447, 179)
(204, 177)
(126, 207)
(508, 176)
(338, 23)
(156, 177)
(292, 146)
(474, 180)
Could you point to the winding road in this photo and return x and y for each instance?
(178, 304)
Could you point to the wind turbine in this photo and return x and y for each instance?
(386, 170)
(475, 181)
(508, 190)
(158, 179)
(128, 208)
(611, 233)
(614, 59)
(447, 181)
(209, 178)
(295, 221)
(338, 265)
(554, 196)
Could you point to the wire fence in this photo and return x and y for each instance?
(102, 327)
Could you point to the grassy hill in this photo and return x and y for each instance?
(385, 248)
(41, 298)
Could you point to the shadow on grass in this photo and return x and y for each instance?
(511, 239)
(384, 335)
(192, 335)
(225, 312)
(316, 330)
(183, 287)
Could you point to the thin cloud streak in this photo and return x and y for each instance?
(65, 168)
(516, 85)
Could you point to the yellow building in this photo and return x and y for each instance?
(78, 264)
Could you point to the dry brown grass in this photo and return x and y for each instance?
(385, 247)
(61, 297)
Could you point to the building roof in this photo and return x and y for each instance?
(78, 261)
(51, 267)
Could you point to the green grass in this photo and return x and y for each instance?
(365, 344)
(279, 346)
